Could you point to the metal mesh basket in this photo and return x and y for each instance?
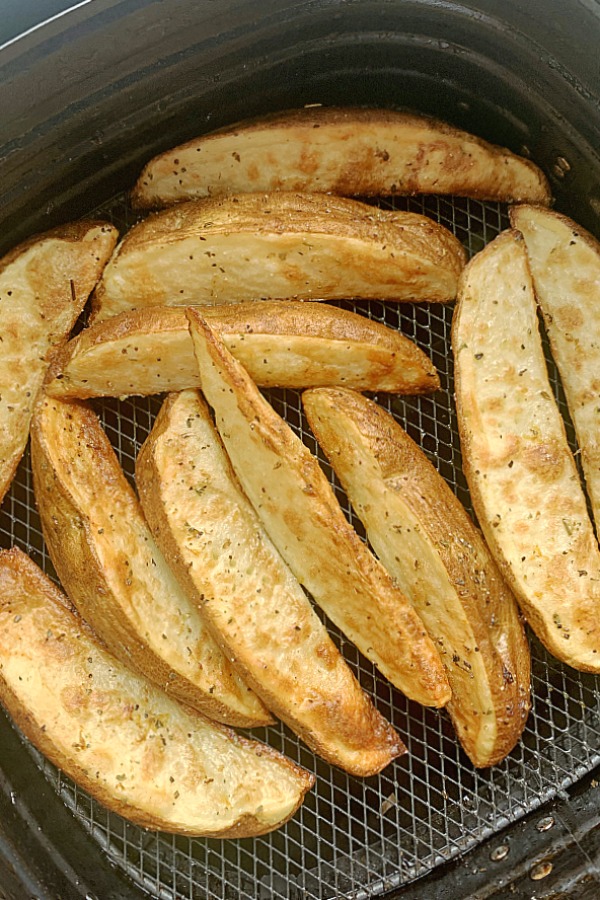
(355, 838)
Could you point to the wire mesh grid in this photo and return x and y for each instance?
(355, 838)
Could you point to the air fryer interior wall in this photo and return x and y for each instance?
(89, 97)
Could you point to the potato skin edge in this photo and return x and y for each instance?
(15, 564)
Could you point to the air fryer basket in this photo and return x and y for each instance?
(136, 77)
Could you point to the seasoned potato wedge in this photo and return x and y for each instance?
(148, 351)
(114, 573)
(521, 472)
(564, 261)
(301, 515)
(123, 740)
(356, 152)
(217, 547)
(427, 542)
(279, 246)
(44, 285)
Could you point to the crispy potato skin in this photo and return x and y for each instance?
(301, 515)
(114, 573)
(44, 285)
(353, 152)
(121, 739)
(521, 473)
(297, 345)
(564, 261)
(424, 537)
(214, 542)
(279, 246)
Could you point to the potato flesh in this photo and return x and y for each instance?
(214, 540)
(424, 538)
(298, 509)
(129, 745)
(110, 566)
(353, 152)
(565, 267)
(279, 246)
(282, 345)
(44, 285)
(521, 473)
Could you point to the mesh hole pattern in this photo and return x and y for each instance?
(354, 838)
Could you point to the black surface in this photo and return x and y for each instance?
(44, 854)
(569, 849)
(21, 16)
(94, 93)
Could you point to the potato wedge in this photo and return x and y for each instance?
(279, 246)
(217, 547)
(114, 573)
(301, 515)
(521, 472)
(44, 284)
(564, 261)
(148, 351)
(354, 152)
(427, 542)
(123, 740)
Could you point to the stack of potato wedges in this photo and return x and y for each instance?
(188, 604)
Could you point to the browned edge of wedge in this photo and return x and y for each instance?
(298, 508)
(71, 232)
(67, 524)
(279, 246)
(564, 262)
(350, 151)
(520, 470)
(256, 608)
(281, 344)
(43, 638)
(42, 292)
(424, 536)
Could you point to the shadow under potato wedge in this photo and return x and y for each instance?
(44, 285)
(278, 246)
(427, 542)
(115, 575)
(348, 151)
(521, 473)
(218, 549)
(281, 344)
(301, 515)
(120, 738)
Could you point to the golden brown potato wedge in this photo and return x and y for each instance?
(123, 740)
(149, 351)
(217, 547)
(429, 545)
(356, 152)
(564, 261)
(301, 515)
(44, 285)
(521, 472)
(279, 246)
(114, 573)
